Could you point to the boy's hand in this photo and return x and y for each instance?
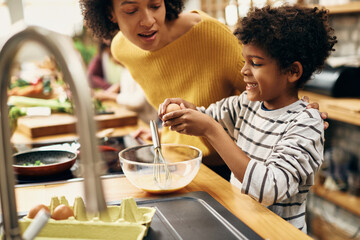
(315, 105)
(189, 121)
(165, 106)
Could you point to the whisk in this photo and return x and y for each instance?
(163, 181)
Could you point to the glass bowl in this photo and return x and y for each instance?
(183, 162)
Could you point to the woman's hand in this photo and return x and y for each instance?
(315, 105)
(102, 95)
(143, 135)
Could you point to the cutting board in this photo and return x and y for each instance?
(61, 123)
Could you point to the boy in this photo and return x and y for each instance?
(272, 142)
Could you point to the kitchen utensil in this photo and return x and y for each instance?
(161, 174)
(183, 161)
(53, 162)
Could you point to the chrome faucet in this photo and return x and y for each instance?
(69, 60)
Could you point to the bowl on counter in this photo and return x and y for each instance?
(183, 162)
(43, 162)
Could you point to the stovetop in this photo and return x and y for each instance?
(110, 157)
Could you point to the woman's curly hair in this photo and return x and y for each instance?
(289, 34)
(97, 15)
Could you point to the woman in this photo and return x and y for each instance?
(172, 54)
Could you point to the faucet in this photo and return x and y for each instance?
(72, 66)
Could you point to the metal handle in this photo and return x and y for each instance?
(154, 134)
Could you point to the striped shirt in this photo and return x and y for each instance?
(285, 147)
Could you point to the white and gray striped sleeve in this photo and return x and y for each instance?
(225, 112)
(292, 163)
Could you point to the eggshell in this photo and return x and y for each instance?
(32, 213)
(62, 212)
(172, 107)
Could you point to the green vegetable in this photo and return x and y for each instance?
(19, 105)
(19, 83)
(99, 107)
(47, 85)
(37, 163)
(14, 114)
(53, 104)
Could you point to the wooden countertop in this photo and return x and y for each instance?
(264, 222)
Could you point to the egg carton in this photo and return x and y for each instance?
(127, 221)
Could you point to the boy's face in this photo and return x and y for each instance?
(264, 79)
(141, 21)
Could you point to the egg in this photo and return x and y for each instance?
(172, 107)
(62, 212)
(32, 213)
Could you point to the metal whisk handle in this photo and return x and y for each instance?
(155, 134)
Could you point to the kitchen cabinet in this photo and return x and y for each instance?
(344, 200)
(345, 110)
(339, 206)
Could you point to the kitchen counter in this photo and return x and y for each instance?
(264, 222)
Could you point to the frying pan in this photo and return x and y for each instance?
(55, 161)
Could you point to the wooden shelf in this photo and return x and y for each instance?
(341, 109)
(352, 7)
(342, 199)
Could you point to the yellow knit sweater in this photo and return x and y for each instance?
(202, 66)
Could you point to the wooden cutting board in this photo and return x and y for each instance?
(61, 123)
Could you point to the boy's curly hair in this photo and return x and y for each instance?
(97, 15)
(289, 34)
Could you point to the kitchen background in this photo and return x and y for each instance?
(327, 218)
